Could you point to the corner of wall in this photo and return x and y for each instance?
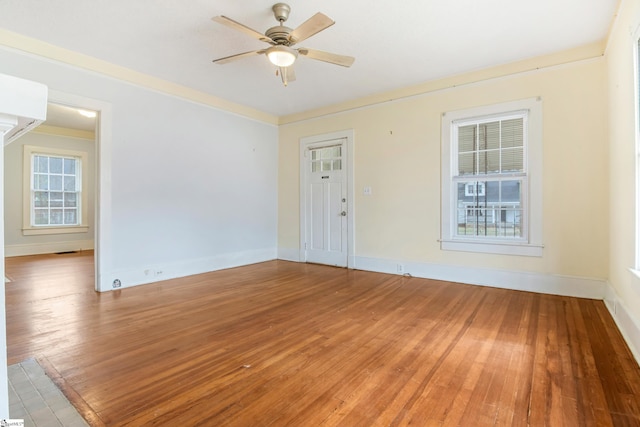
(628, 323)
(289, 254)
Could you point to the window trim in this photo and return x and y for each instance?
(531, 243)
(27, 228)
(636, 97)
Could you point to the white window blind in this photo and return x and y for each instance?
(490, 177)
(494, 147)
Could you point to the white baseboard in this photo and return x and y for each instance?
(628, 323)
(165, 271)
(47, 248)
(516, 280)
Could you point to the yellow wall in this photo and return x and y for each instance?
(397, 153)
(621, 117)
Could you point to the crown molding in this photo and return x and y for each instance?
(47, 50)
(586, 52)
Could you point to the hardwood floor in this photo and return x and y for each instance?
(282, 343)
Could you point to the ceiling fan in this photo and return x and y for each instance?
(282, 39)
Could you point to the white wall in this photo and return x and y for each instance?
(190, 188)
(17, 244)
(15, 103)
(397, 153)
(623, 298)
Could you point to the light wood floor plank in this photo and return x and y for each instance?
(283, 343)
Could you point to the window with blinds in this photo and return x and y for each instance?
(490, 176)
(492, 179)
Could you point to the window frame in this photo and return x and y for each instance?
(28, 229)
(636, 98)
(635, 55)
(530, 243)
(484, 178)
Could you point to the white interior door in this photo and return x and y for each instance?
(326, 203)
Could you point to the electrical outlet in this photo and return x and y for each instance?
(400, 268)
(158, 273)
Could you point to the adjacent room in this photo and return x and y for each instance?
(322, 214)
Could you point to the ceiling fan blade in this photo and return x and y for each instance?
(345, 61)
(243, 28)
(228, 59)
(287, 74)
(311, 26)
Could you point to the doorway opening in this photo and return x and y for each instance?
(55, 182)
(51, 183)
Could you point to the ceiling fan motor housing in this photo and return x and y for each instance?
(279, 34)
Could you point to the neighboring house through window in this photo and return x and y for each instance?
(492, 169)
(54, 201)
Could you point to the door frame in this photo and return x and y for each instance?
(348, 136)
(102, 212)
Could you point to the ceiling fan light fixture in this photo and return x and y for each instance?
(282, 56)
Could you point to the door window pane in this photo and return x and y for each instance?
(326, 159)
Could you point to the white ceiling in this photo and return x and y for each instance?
(396, 44)
(67, 117)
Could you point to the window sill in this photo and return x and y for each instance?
(501, 248)
(635, 272)
(36, 231)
